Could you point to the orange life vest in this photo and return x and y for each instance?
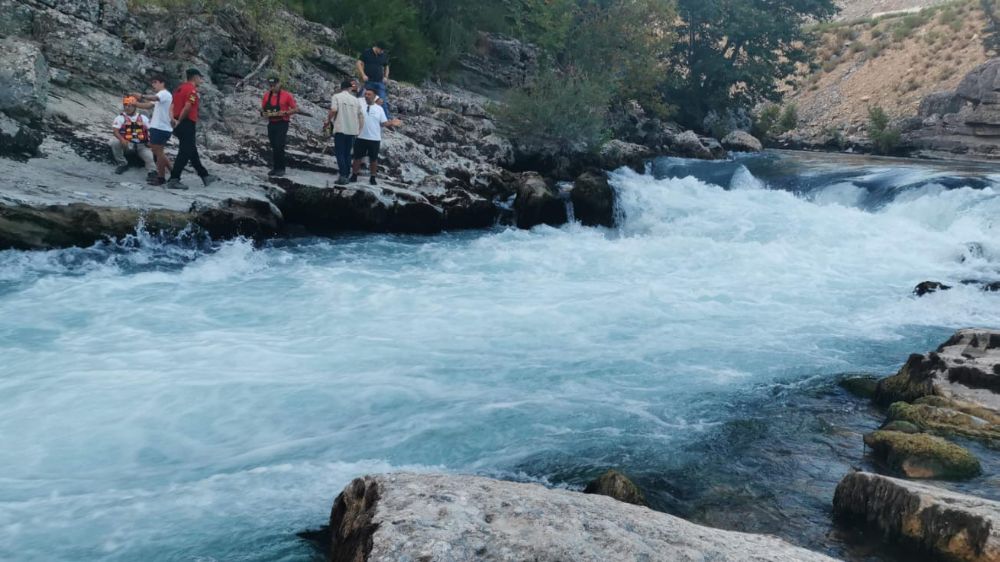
(134, 131)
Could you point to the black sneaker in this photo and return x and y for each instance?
(208, 180)
(278, 173)
(156, 180)
(340, 181)
(354, 178)
(175, 184)
(372, 180)
(151, 175)
(272, 172)
(122, 169)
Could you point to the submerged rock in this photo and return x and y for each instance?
(593, 200)
(616, 485)
(922, 456)
(928, 287)
(538, 203)
(947, 525)
(437, 518)
(859, 385)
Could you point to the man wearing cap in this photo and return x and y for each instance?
(131, 134)
(278, 106)
(185, 120)
(348, 119)
(159, 126)
(373, 67)
(370, 139)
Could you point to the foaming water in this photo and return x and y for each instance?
(205, 401)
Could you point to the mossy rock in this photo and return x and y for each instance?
(915, 380)
(947, 417)
(901, 426)
(616, 485)
(862, 386)
(922, 456)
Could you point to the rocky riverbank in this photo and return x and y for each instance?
(65, 64)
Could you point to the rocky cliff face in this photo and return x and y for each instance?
(964, 122)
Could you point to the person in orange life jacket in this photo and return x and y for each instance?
(131, 134)
(278, 106)
(370, 139)
(159, 126)
(184, 113)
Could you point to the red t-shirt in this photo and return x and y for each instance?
(282, 100)
(186, 92)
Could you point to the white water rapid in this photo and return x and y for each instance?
(164, 402)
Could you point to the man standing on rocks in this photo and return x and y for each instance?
(131, 134)
(278, 106)
(347, 118)
(185, 120)
(370, 139)
(159, 126)
(373, 67)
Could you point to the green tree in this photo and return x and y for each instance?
(738, 53)
(885, 138)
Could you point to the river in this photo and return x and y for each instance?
(189, 400)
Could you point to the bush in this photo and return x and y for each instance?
(765, 125)
(528, 113)
(885, 138)
(789, 118)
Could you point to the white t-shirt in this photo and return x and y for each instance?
(161, 111)
(138, 117)
(374, 118)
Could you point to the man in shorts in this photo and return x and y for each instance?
(159, 126)
(370, 139)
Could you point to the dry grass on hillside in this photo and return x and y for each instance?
(892, 62)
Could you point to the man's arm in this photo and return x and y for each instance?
(293, 107)
(115, 129)
(184, 113)
(360, 65)
(385, 73)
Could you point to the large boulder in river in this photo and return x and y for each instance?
(616, 154)
(922, 456)
(593, 199)
(438, 518)
(538, 203)
(24, 79)
(947, 525)
(742, 141)
(966, 367)
(690, 145)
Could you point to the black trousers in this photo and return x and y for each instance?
(187, 151)
(277, 133)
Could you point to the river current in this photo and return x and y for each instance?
(189, 400)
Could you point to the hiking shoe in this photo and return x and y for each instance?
(175, 184)
(372, 180)
(340, 181)
(354, 178)
(277, 173)
(151, 175)
(156, 180)
(272, 172)
(122, 169)
(208, 180)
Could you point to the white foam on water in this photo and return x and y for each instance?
(158, 400)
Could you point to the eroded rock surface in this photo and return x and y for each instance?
(947, 525)
(437, 518)
(922, 456)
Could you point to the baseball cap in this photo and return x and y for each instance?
(192, 72)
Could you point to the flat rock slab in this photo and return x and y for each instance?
(438, 518)
(949, 525)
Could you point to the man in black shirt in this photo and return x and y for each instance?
(373, 66)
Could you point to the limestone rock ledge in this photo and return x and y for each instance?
(948, 525)
(436, 518)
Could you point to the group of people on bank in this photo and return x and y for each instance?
(355, 121)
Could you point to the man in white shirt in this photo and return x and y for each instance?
(348, 120)
(159, 125)
(370, 139)
(131, 134)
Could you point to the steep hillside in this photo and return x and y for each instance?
(891, 61)
(851, 10)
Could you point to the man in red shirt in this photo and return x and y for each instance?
(278, 106)
(184, 113)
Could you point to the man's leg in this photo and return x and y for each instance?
(195, 159)
(185, 142)
(271, 139)
(162, 162)
(146, 155)
(381, 92)
(117, 152)
(280, 142)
